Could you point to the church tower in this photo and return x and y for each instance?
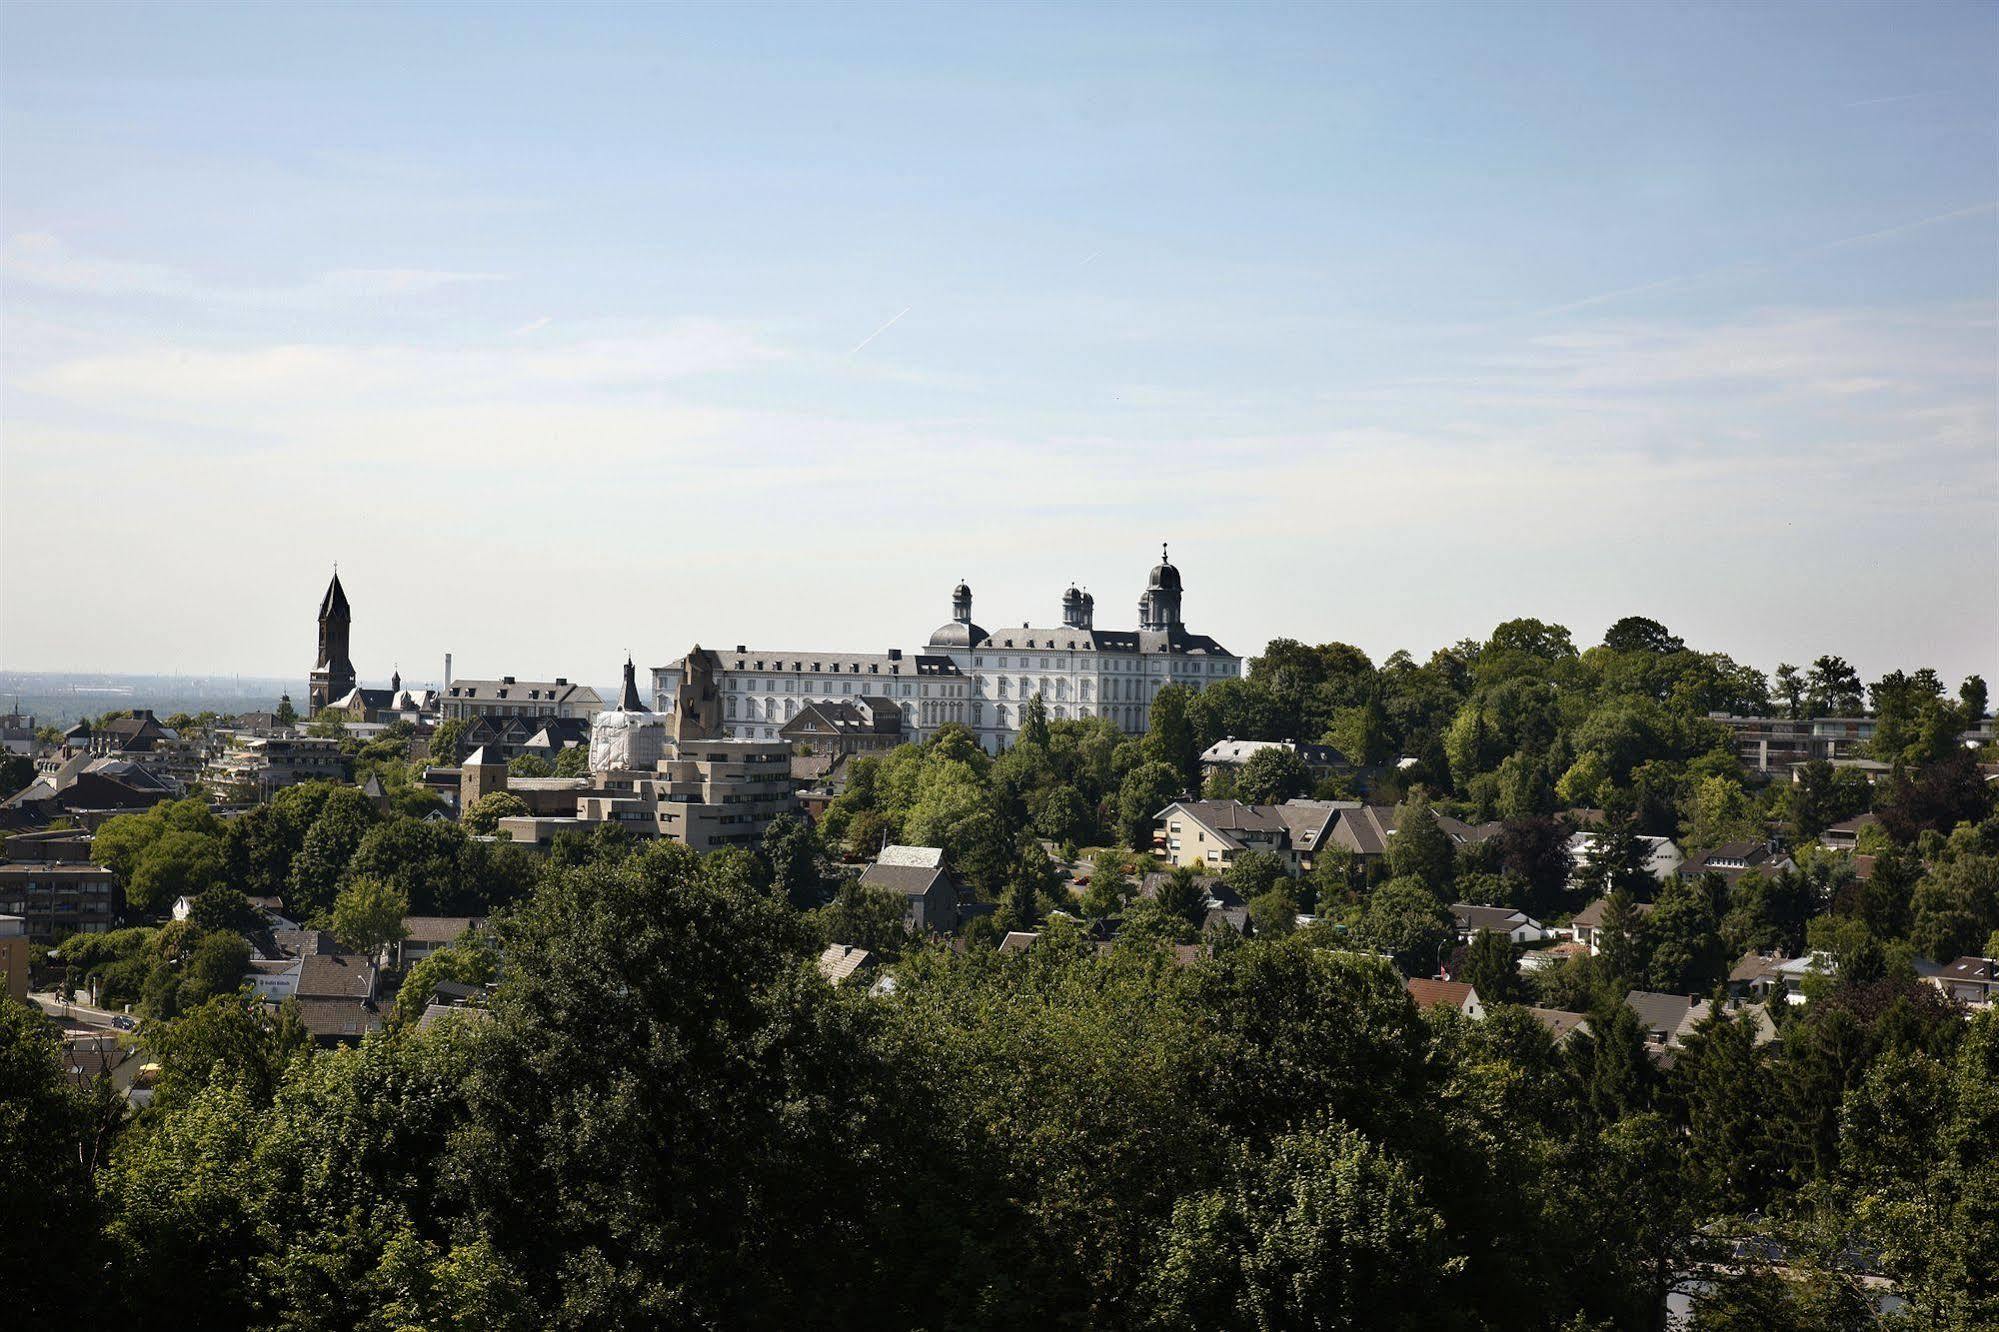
(333, 673)
(1159, 608)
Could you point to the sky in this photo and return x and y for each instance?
(573, 331)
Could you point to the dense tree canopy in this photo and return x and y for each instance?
(666, 1117)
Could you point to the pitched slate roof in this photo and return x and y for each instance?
(1500, 920)
(335, 976)
(1752, 965)
(303, 943)
(1227, 818)
(523, 692)
(881, 716)
(909, 880)
(1661, 1012)
(1468, 834)
(1592, 915)
(1560, 1022)
(334, 1018)
(1855, 824)
(1748, 853)
(1310, 822)
(1365, 829)
(1970, 968)
(558, 733)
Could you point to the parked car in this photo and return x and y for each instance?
(124, 1023)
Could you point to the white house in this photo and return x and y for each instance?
(1663, 856)
(1516, 925)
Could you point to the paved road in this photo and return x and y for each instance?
(77, 1010)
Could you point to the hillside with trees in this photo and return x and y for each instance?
(667, 1117)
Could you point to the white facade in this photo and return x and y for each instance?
(978, 679)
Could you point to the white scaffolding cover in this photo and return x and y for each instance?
(627, 741)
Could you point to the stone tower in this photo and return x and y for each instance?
(333, 673)
(697, 710)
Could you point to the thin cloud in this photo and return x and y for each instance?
(43, 260)
(1604, 298)
(1749, 265)
(1883, 101)
(175, 381)
(1901, 230)
(883, 329)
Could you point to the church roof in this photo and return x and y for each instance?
(335, 600)
(629, 700)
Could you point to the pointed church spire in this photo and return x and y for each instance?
(335, 600)
(629, 701)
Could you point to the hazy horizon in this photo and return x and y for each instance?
(580, 331)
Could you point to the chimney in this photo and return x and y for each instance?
(447, 672)
(895, 654)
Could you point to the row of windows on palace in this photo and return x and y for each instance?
(1128, 717)
(1115, 688)
(1129, 664)
(769, 710)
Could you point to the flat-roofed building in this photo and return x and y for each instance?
(703, 790)
(256, 767)
(58, 899)
(14, 956)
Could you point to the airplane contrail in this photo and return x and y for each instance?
(883, 329)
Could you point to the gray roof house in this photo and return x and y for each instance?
(930, 898)
(1516, 925)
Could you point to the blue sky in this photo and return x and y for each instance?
(574, 330)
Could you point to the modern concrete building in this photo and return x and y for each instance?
(1772, 745)
(671, 775)
(56, 900)
(14, 956)
(256, 767)
(967, 675)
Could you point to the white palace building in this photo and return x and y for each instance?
(976, 677)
